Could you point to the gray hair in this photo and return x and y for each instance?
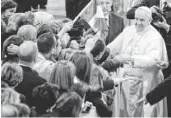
(28, 51)
(146, 10)
(27, 32)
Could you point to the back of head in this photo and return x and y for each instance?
(47, 94)
(104, 56)
(63, 74)
(14, 39)
(55, 25)
(111, 65)
(69, 104)
(9, 110)
(83, 63)
(9, 95)
(7, 4)
(24, 110)
(98, 47)
(96, 77)
(42, 18)
(46, 42)
(28, 52)
(27, 32)
(44, 28)
(11, 74)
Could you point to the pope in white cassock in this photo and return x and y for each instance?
(140, 48)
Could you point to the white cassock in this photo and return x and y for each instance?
(145, 48)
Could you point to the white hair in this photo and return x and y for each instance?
(145, 9)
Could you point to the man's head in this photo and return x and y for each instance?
(47, 44)
(27, 32)
(143, 18)
(28, 52)
(106, 6)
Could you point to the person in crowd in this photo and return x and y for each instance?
(49, 49)
(104, 56)
(89, 44)
(111, 65)
(114, 22)
(42, 18)
(28, 33)
(69, 104)
(47, 94)
(83, 63)
(12, 74)
(27, 55)
(96, 79)
(24, 110)
(9, 110)
(17, 20)
(139, 48)
(66, 54)
(163, 26)
(9, 52)
(149, 3)
(56, 25)
(8, 8)
(161, 91)
(44, 28)
(63, 75)
(9, 96)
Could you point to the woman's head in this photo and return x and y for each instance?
(47, 94)
(83, 63)
(69, 104)
(11, 74)
(97, 76)
(63, 74)
(8, 8)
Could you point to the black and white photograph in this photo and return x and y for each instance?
(86, 58)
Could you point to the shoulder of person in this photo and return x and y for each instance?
(116, 16)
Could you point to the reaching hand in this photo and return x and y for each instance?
(117, 80)
(67, 26)
(12, 49)
(140, 101)
(162, 64)
(162, 24)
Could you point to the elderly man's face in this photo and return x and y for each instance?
(141, 20)
(106, 6)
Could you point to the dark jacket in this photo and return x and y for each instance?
(30, 81)
(161, 91)
(116, 26)
(149, 3)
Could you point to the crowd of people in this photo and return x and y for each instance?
(59, 68)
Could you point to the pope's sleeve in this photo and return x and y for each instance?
(116, 45)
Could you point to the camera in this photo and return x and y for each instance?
(166, 7)
(157, 15)
(87, 107)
